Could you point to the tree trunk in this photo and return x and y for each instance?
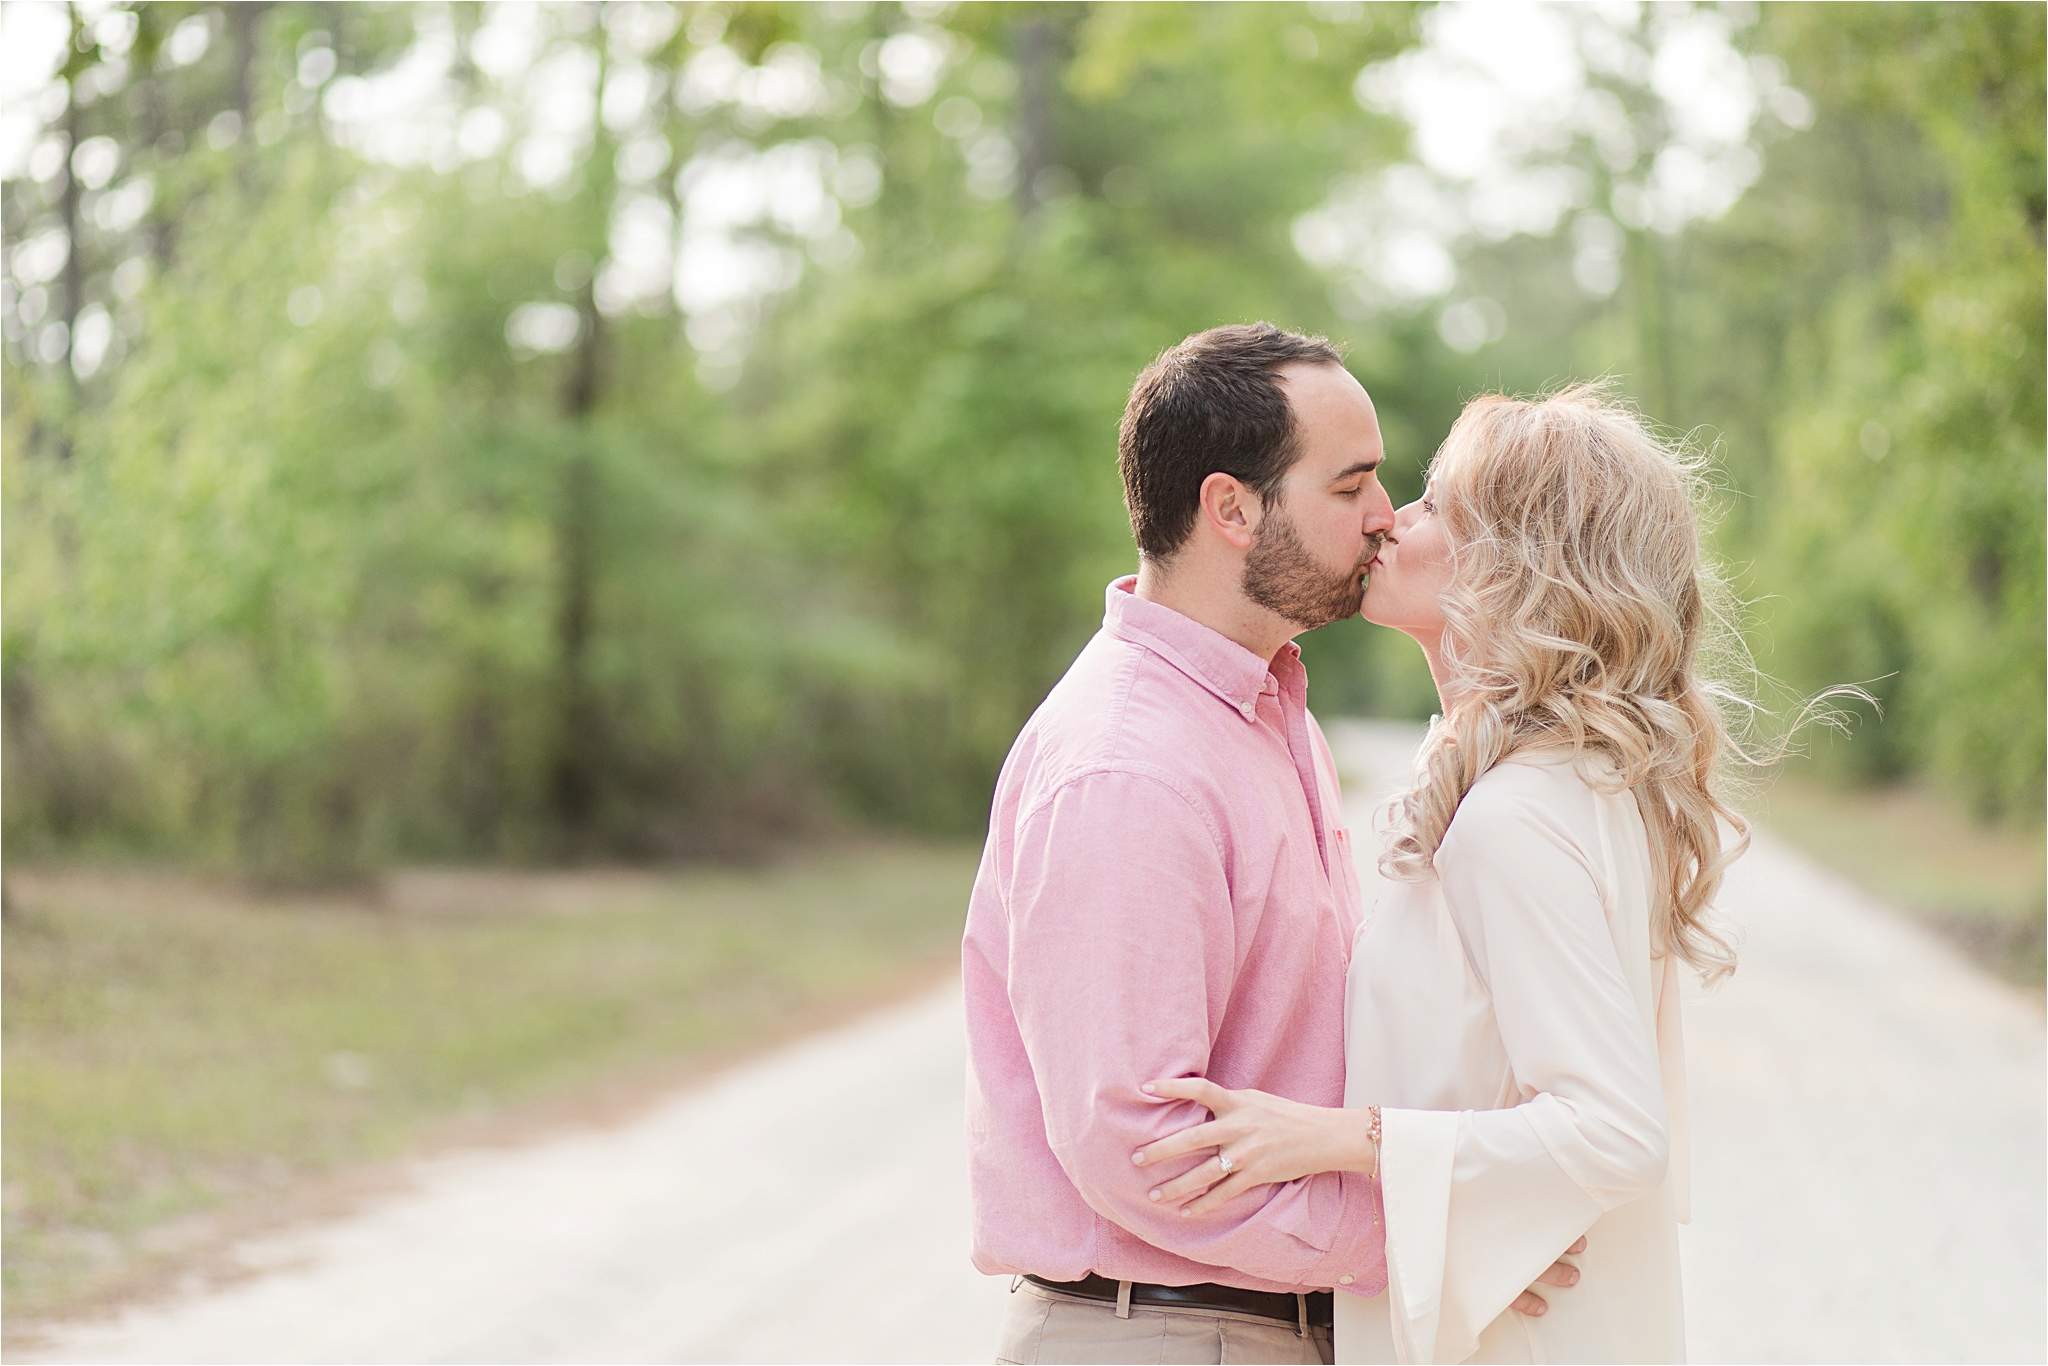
(574, 780)
(1035, 74)
(1650, 285)
(74, 272)
(242, 23)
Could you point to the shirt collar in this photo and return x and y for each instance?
(1209, 657)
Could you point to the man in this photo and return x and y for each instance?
(1168, 890)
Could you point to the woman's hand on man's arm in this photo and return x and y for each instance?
(1268, 1140)
(1265, 1138)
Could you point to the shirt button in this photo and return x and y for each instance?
(1343, 1280)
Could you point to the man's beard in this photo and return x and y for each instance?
(1281, 576)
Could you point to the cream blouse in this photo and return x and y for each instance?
(1515, 1022)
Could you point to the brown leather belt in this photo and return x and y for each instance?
(1266, 1304)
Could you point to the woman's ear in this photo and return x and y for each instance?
(1231, 509)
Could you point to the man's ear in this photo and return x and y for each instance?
(1231, 509)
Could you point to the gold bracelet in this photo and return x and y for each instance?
(1372, 1131)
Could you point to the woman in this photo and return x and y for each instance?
(1515, 1075)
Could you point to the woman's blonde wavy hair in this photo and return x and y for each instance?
(1582, 615)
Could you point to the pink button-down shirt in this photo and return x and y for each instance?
(1166, 891)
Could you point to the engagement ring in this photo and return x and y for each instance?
(1224, 1163)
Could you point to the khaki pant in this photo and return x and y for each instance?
(1051, 1326)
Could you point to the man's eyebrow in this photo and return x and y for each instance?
(1362, 467)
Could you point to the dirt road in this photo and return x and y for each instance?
(1868, 1186)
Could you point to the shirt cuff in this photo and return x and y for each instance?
(1357, 1260)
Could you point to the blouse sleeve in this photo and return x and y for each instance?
(1478, 1203)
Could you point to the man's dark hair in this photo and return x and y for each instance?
(1214, 403)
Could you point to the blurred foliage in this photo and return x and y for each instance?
(1904, 526)
(360, 505)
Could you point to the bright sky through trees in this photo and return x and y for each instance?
(1494, 95)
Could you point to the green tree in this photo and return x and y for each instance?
(1907, 503)
(642, 429)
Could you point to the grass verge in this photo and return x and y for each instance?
(1980, 885)
(176, 1052)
